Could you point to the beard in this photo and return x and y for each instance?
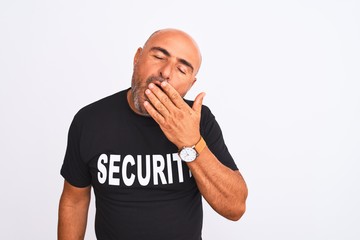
(138, 87)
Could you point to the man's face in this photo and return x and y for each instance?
(167, 56)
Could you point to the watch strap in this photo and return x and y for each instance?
(200, 145)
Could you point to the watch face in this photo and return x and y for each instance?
(188, 154)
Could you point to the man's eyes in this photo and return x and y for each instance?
(158, 57)
(181, 70)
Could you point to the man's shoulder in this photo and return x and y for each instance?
(103, 105)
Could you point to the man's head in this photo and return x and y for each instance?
(168, 55)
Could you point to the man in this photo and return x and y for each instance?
(149, 154)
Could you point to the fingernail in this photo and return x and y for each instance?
(151, 85)
(164, 83)
(147, 91)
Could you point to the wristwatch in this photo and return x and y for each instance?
(189, 154)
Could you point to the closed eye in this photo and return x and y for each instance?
(158, 57)
(182, 71)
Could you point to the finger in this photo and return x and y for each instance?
(156, 104)
(161, 96)
(153, 113)
(173, 95)
(198, 102)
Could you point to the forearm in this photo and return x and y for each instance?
(224, 189)
(72, 218)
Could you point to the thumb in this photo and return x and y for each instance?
(198, 102)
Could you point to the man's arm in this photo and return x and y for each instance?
(73, 211)
(224, 189)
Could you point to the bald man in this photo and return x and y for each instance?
(149, 154)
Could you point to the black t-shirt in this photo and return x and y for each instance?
(143, 190)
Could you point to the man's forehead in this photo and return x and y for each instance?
(177, 43)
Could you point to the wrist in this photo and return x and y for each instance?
(190, 153)
(200, 145)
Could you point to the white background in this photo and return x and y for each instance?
(282, 77)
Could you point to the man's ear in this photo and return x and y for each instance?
(193, 82)
(137, 55)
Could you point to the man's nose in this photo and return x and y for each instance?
(166, 71)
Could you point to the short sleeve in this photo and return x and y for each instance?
(212, 134)
(74, 170)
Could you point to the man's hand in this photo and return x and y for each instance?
(179, 122)
(224, 189)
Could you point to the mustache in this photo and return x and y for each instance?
(154, 79)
